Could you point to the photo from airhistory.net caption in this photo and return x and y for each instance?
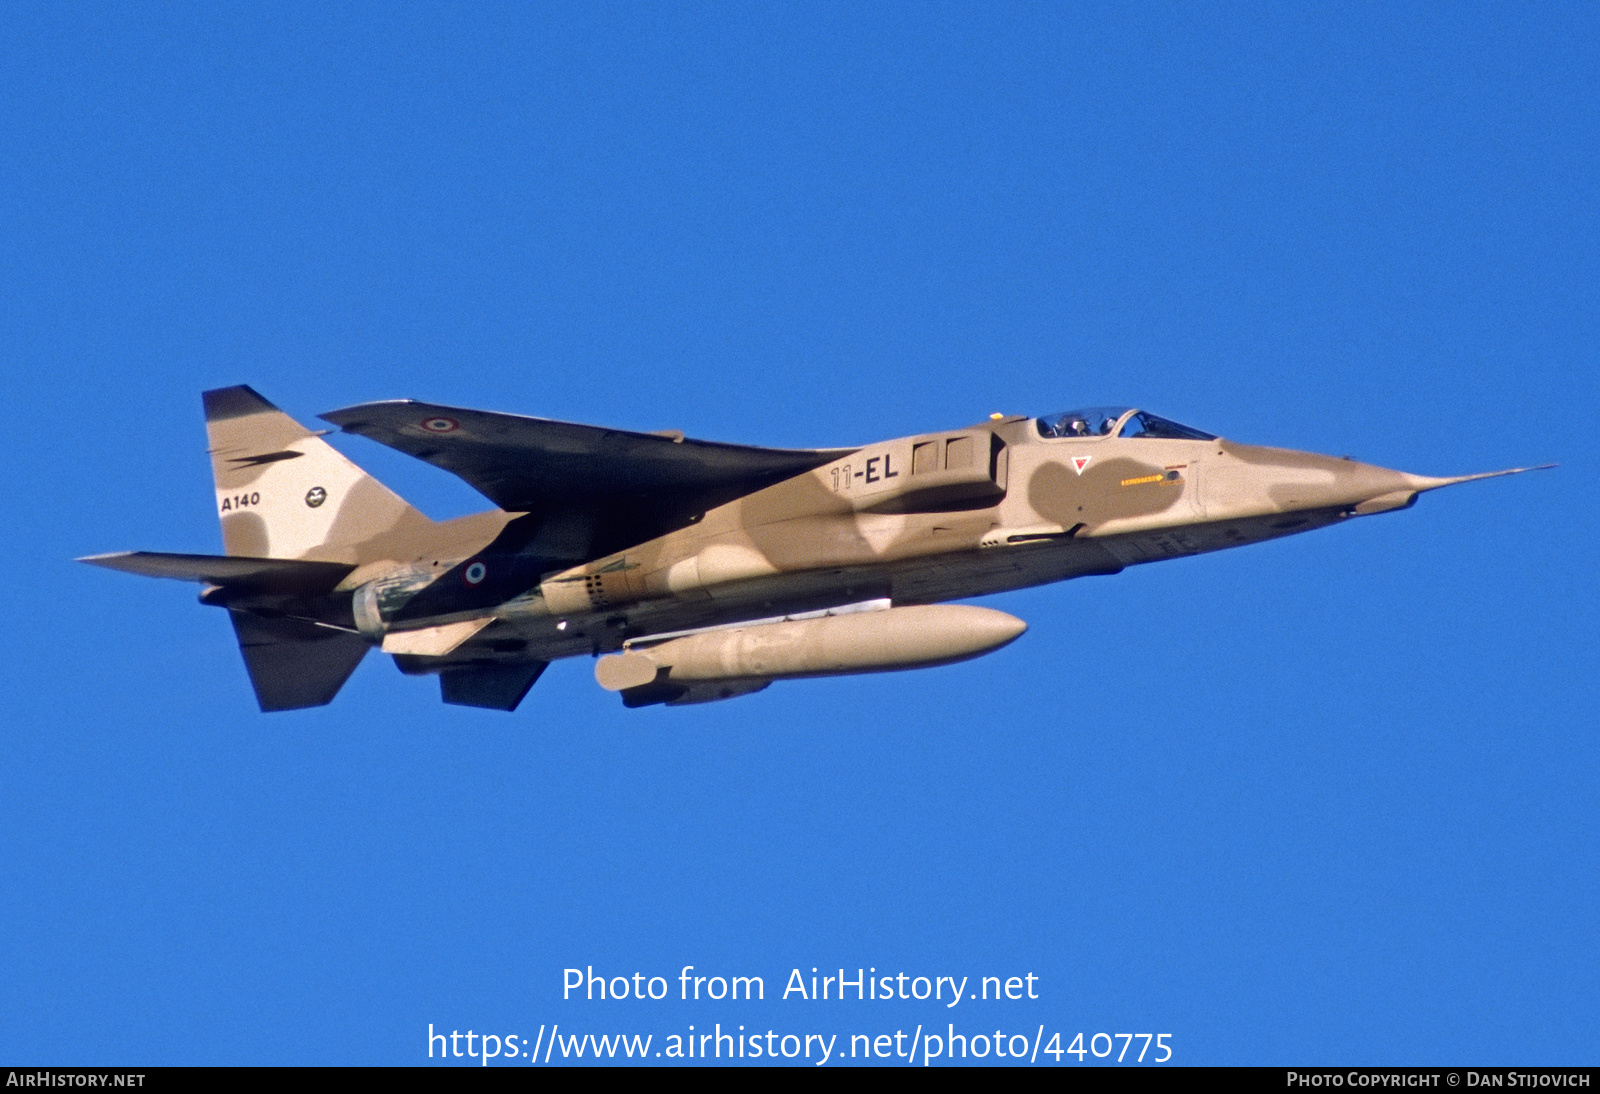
(969, 1020)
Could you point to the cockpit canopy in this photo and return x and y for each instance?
(1116, 421)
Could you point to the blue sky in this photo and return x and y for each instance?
(1326, 800)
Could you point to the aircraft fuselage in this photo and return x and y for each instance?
(938, 517)
(698, 571)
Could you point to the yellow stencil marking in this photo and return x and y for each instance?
(1142, 481)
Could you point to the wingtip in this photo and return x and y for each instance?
(344, 414)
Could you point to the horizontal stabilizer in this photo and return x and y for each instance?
(278, 575)
(493, 687)
(294, 664)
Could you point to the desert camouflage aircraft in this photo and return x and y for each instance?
(698, 571)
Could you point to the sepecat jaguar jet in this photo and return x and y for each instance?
(697, 571)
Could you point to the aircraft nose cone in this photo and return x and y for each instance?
(1284, 480)
(1250, 480)
(1370, 489)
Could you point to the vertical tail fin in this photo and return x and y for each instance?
(283, 492)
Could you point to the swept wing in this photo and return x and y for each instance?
(525, 464)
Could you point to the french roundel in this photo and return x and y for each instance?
(440, 425)
(475, 573)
